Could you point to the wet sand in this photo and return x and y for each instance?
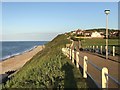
(16, 62)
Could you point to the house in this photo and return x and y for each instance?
(102, 33)
(87, 33)
(96, 35)
(79, 32)
(73, 32)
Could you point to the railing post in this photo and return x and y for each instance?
(113, 50)
(101, 49)
(93, 47)
(63, 50)
(77, 59)
(67, 52)
(70, 54)
(90, 46)
(73, 56)
(104, 77)
(97, 47)
(85, 66)
(105, 47)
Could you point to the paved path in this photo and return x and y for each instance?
(100, 62)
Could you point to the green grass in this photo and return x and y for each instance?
(101, 42)
(49, 69)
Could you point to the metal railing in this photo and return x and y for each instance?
(98, 68)
(113, 79)
(104, 71)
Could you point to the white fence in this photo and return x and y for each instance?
(104, 71)
(101, 49)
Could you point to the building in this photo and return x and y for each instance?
(96, 35)
(79, 32)
(87, 33)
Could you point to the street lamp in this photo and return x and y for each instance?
(107, 12)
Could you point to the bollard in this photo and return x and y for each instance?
(101, 49)
(85, 67)
(77, 59)
(72, 56)
(104, 77)
(113, 50)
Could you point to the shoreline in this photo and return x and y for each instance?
(16, 62)
(16, 54)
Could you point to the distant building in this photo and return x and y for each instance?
(79, 32)
(73, 32)
(87, 34)
(114, 33)
(96, 35)
(102, 33)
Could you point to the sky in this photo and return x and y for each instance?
(42, 21)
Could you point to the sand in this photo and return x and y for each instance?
(16, 62)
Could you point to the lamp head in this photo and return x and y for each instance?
(107, 11)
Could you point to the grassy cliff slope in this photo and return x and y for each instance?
(49, 69)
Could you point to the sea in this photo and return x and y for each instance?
(13, 48)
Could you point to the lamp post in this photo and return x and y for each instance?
(107, 12)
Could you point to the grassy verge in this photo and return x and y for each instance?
(101, 42)
(48, 69)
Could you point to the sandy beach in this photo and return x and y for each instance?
(16, 62)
